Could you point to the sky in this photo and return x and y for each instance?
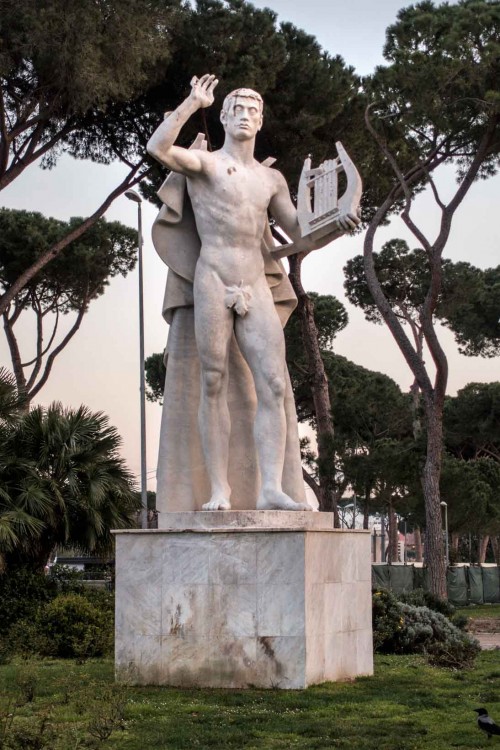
(100, 367)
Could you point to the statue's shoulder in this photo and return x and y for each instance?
(266, 166)
(274, 175)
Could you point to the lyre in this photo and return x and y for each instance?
(318, 203)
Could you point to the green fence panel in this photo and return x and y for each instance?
(491, 585)
(456, 582)
(401, 578)
(420, 578)
(380, 577)
(466, 585)
(475, 576)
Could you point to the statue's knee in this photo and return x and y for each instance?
(212, 382)
(277, 386)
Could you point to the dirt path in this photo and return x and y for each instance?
(486, 630)
(488, 641)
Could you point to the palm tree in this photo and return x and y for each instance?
(11, 404)
(16, 520)
(62, 483)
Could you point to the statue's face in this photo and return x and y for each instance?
(243, 118)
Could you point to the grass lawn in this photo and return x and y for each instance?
(481, 610)
(406, 706)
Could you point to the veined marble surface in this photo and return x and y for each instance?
(245, 519)
(266, 608)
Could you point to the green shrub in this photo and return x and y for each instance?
(26, 680)
(423, 598)
(386, 619)
(22, 593)
(460, 621)
(454, 653)
(431, 633)
(109, 713)
(102, 599)
(30, 734)
(401, 628)
(26, 638)
(68, 579)
(25, 596)
(75, 628)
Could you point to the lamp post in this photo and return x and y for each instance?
(135, 197)
(447, 549)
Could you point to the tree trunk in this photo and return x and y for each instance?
(320, 393)
(392, 550)
(433, 395)
(366, 508)
(483, 547)
(495, 545)
(312, 484)
(418, 544)
(434, 550)
(15, 355)
(416, 398)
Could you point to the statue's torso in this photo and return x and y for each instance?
(230, 205)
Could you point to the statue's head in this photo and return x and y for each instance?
(241, 113)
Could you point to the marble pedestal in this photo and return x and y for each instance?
(239, 599)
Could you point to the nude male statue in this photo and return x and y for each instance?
(230, 193)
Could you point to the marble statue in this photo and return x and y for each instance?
(229, 434)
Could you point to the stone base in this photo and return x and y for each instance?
(241, 599)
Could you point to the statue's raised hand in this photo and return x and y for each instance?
(202, 90)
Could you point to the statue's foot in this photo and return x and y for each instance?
(217, 503)
(276, 500)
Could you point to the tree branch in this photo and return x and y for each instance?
(434, 190)
(18, 308)
(309, 480)
(19, 165)
(435, 287)
(50, 360)
(25, 123)
(402, 181)
(4, 140)
(130, 180)
(14, 355)
(52, 337)
(414, 362)
(39, 342)
(31, 142)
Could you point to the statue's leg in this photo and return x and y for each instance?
(213, 330)
(261, 340)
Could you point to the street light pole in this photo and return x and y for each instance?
(133, 196)
(447, 548)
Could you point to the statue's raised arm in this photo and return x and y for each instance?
(161, 144)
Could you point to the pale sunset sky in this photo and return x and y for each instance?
(100, 367)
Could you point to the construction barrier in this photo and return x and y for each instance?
(466, 584)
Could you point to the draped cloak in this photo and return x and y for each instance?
(182, 480)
